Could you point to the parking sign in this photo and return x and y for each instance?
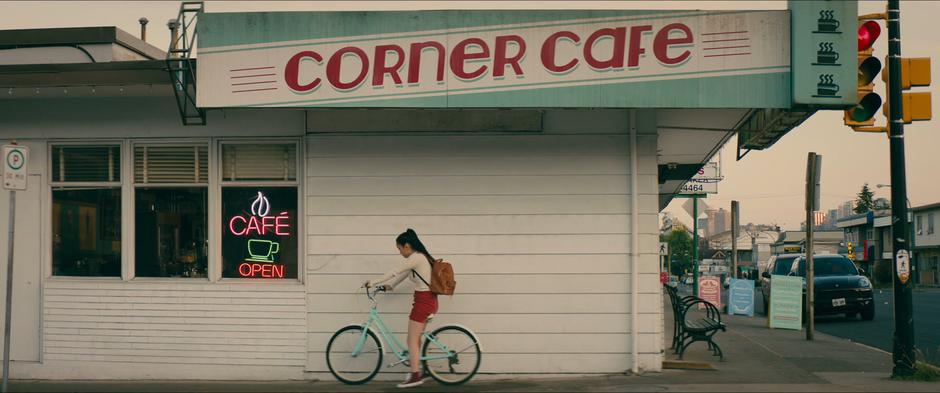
(15, 160)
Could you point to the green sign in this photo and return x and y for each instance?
(786, 302)
(824, 52)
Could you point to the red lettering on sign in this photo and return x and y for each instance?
(253, 225)
(663, 41)
(378, 73)
(263, 270)
(282, 225)
(335, 64)
(414, 63)
(460, 55)
(616, 58)
(549, 48)
(231, 225)
(292, 72)
(636, 45)
(500, 61)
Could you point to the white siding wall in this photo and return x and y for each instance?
(537, 227)
(101, 330)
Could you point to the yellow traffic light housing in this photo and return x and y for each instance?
(861, 117)
(915, 106)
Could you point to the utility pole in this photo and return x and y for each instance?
(734, 238)
(694, 246)
(813, 168)
(903, 350)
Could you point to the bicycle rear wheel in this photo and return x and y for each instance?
(349, 369)
(454, 355)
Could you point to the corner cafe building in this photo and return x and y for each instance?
(532, 149)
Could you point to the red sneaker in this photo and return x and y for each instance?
(414, 379)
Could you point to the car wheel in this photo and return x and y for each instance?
(868, 313)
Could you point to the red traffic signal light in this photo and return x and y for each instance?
(868, 32)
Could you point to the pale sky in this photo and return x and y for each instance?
(769, 184)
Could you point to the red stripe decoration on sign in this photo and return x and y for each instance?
(726, 32)
(244, 91)
(252, 69)
(738, 45)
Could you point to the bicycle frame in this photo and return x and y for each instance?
(400, 350)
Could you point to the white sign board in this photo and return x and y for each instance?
(704, 182)
(903, 261)
(372, 68)
(663, 248)
(15, 158)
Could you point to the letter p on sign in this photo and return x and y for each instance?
(15, 158)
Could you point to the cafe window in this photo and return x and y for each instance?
(171, 210)
(259, 211)
(86, 210)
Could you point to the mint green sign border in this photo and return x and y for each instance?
(786, 302)
(770, 89)
(804, 43)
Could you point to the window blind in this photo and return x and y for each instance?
(86, 163)
(260, 162)
(155, 164)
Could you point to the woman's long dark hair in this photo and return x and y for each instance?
(409, 236)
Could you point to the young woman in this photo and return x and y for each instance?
(417, 266)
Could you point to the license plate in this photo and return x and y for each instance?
(838, 302)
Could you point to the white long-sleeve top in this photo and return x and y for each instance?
(417, 262)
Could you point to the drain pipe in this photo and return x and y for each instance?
(634, 245)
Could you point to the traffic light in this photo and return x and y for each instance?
(915, 106)
(863, 113)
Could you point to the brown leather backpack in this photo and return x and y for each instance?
(442, 278)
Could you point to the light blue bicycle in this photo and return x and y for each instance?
(450, 354)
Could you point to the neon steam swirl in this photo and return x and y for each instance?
(260, 207)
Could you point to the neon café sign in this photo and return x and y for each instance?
(262, 260)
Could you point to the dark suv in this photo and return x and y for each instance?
(840, 288)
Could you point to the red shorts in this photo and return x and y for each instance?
(425, 304)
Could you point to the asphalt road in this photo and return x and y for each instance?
(878, 332)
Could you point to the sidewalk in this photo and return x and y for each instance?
(757, 359)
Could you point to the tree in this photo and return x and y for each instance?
(680, 249)
(865, 201)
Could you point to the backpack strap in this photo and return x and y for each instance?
(415, 273)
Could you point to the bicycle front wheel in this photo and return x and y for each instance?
(348, 365)
(451, 355)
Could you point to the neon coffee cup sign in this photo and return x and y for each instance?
(257, 229)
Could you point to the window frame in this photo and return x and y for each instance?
(297, 183)
(131, 217)
(214, 184)
(54, 185)
(930, 223)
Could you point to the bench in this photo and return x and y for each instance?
(700, 327)
(678, 304)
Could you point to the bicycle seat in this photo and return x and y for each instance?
(428, 321)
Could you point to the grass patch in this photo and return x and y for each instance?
(923, 372)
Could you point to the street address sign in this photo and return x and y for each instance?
(15, 159)
(705, 181)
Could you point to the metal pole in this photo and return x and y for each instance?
(734, 239)
(915, 269)
(9, 298)
(903, 353)
(810, 204)
(694, 246)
